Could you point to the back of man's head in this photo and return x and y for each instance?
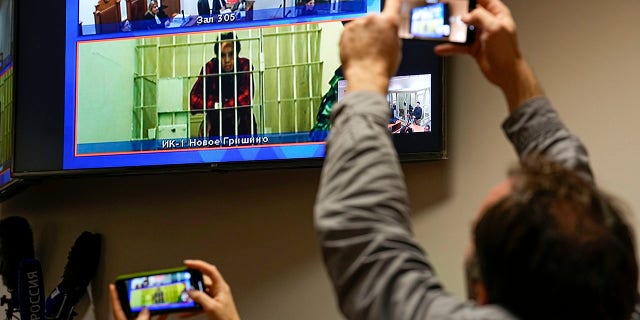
(557, 248)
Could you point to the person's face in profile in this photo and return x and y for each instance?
(310, 4)
(154, 8)
(227, 56)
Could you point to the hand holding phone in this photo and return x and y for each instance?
(436, 20)
(217, 300)
(160, 291)
(214, 299)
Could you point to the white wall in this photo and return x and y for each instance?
(257, 226)
(105, 104)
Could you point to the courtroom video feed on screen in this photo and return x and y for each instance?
(160, 292)
(409, 99)
(6, 89)
(215, 92)
(251, 87)
(170, 16)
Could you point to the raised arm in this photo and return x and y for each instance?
(533, 126)
(362, 214)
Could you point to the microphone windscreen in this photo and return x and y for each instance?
(30, 290)
(16, 244)
(81, 267)
(82, 262)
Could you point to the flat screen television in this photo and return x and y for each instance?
(118, 86)
(8, 184)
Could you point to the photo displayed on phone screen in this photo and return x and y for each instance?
(436, 20)
(161, 292)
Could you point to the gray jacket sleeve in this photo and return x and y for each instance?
(377, 269)
(535, 128)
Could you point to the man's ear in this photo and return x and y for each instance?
(481, 293)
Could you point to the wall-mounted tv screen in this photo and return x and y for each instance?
(142, 84)
(7, 183)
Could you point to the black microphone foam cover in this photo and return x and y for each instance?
(82, 262)
(81, 267)
(16, 244)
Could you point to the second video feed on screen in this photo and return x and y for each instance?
(409, 99)
(439, 20)
(162, 16)
(253, 87)
(160, 292)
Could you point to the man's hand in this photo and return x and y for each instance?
(118, 313)
(217, 303)
(370, 50)
(497, 53)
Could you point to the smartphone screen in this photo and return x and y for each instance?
(436, 20)
(160, 291)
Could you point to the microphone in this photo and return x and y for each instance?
(81, 267)
(16, 245)
(287, 13)
(31, 289)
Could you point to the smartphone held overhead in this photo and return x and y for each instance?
(434, 20)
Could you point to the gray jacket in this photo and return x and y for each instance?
(362, 213)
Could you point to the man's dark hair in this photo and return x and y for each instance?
(557, 248)
(227, 36)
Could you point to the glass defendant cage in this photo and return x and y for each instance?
(284, 72)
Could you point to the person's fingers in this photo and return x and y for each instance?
(144, 315)
(207, 281)
(448, 49)
(116, 307)
(210, 270)
(202, 299)
(392, 8)
(481, 18)
(494, 6)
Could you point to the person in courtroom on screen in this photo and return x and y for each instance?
(546, 244)
(151, 18)
(225, 81)
(211, 7)
(309, 8)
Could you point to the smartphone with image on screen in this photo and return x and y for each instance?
(436, 20)
(160, 291)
